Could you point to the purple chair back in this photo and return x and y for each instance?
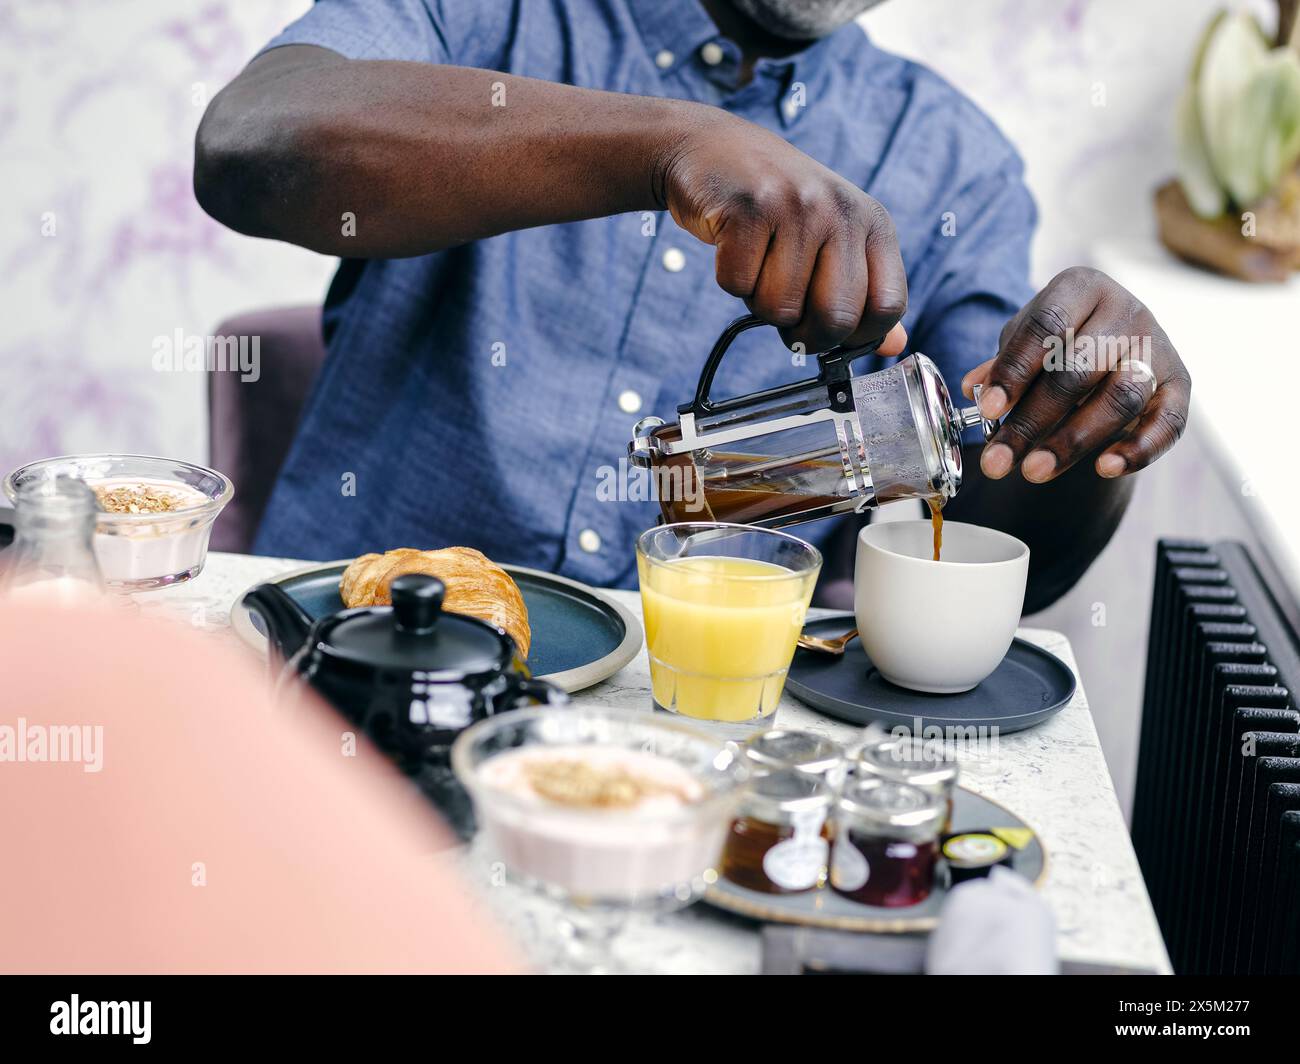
(251, 423)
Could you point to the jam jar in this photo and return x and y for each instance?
(886, 842)
(814, 755)
(908, 761)
(780, 840)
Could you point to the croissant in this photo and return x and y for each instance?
(476, 586)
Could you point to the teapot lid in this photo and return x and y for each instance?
(416, 634)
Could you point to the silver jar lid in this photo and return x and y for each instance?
(900, 760)
(783, 796)
(885, 806)
(940, 424)
(776, 748)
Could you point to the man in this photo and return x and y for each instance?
(533, 202)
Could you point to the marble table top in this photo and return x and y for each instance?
(1054, 776)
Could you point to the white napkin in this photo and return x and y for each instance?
(994, 926)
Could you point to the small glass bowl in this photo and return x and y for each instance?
(136, 552)
(638, 858)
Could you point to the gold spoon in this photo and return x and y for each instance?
(828, 646)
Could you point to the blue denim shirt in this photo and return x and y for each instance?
(484, 395)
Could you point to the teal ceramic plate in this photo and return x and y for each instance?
(580, 636)
(825, 908)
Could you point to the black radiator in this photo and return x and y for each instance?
(1216, 809)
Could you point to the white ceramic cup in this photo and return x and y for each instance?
(938, 627)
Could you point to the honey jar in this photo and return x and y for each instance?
(780, 840)
(886, 842)
(814, 755)
(908, 761)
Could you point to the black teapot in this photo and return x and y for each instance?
(410, 675)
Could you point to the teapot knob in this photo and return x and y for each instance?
(417, 602)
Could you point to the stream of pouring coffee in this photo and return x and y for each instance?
(936, 522)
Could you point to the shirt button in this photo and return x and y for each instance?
(712, 53)
(674, 260)
(629, 402)
(664, 59)
(589, 540)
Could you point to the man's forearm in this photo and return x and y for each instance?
(383, 159)
(421, 157)
(1066, 522)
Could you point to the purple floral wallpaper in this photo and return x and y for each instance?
(104, 247)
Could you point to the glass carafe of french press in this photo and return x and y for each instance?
(829, 445)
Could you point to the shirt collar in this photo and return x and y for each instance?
(804, 64)
(673, 29)
(801, 74)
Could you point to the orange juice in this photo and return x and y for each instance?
(721, 632)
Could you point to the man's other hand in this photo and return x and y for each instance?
(1084, 367)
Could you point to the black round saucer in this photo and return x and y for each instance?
(1028, 687)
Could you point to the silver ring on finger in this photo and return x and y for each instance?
(1137, 366)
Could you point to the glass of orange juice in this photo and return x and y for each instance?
(724, 605)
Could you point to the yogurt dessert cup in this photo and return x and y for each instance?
(156, 513)
(601, 807)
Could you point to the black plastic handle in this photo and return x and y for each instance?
(833, 366)
(6, 526)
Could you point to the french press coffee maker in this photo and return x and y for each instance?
(809, 449)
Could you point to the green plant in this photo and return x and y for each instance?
(1239, 116)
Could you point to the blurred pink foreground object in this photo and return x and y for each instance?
(161, 814)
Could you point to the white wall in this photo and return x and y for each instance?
(1084, 88)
